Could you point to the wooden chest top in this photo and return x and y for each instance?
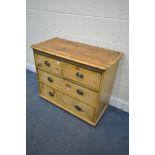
(93, 56)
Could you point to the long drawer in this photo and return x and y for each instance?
(86, 95)
(68, 103)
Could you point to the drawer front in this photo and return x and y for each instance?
(47, 63)
(50, 79)
(84, 94)
(82, 75)
(67, 102)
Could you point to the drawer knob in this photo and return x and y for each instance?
(47, 63)
(50, 79)
(51, 94)
(78, 108)
(79, 75)
(80, 92)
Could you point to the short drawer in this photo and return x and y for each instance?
(82, 75)
(47, 63)
(68, 103)
(86, 95)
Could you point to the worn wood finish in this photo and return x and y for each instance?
(106, 90)
(50, 79)
(84, 94)
(85, 54)
(76, 77)
(82, 75)
(81, 93)
(48, 64)
(69, 103)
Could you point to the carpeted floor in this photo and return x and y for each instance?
(52, 131)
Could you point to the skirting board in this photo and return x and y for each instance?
(114, 101)
(31, 67)
(119, 103)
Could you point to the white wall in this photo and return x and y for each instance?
(102, 23)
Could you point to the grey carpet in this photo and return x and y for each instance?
(52, 131)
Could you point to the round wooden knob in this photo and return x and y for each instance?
(79, 75)
(50, 79)
(80, 92)
(51, 94)
(78, 108)
(47, 63)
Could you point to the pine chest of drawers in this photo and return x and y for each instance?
(76, 77)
